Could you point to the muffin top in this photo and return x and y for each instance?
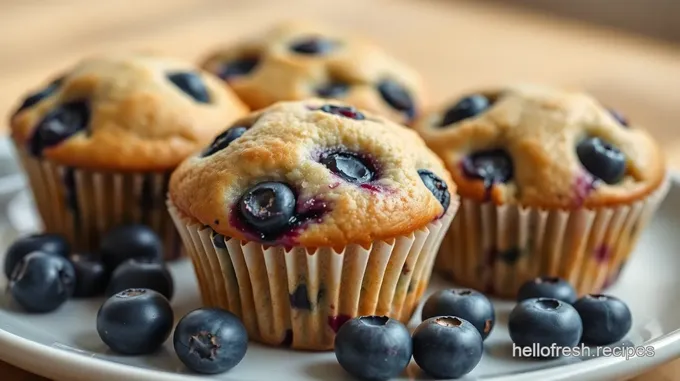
(314, 173)
(125, 112)
(542, 147)
(295, 61)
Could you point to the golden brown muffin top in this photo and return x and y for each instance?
(314, 173)
(295, 61)
(125, 112)
(542, 147)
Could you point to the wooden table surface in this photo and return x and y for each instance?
(456, 45)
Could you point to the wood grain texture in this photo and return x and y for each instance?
(458, 46)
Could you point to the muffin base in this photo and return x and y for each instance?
(297, 297)
(84, 205)
(495, 249)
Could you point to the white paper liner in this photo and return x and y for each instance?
(256, 282)
(587, 248)
(83, 205)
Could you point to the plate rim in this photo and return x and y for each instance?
(31, 356)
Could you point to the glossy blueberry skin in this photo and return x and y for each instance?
(603, 160)
(47, 243)
(437, 186)
(135, 321)
(141, 273)
(41, 282)
(223, 140)
(191, 84)
(447, 347)
(467, 304)
(545, 322)
(606, 319)
(494, 166)
(397, 96)
(312, 45)
(345, 111)
(130, 241)
(349, 166)
(210, 340)
(373, 348)
(91, 275)
(36, 97)
(465, 108)
(268, 207)
(547, 287)
(333, 90)
(237, 68)
(58, 125)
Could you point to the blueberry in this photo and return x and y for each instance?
(373, 347)
(218, 240)
(268, 207)
(544, 322)
(224, 139)
(349, 166)
(191, 84)
(547, 287)
(397, 97)
(47, 243)
(447, 347)
(346, 111)
(467, 304)
(606, 319)
(41, 282)
(437, 186)
(619, 117)
(135, 321)
(237, 68)
(465, 108)
(313, 45)
(35, 98)
(333, 89)
(91, 275)
(603, 160)
(130, 241)
(210, 340)
(494, 166)
(58, 125)
(141, 273)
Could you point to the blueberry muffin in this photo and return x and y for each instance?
(98, 143)
(552, 183)
(295, 61)
(309, 213)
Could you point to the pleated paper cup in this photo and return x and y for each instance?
(298, 297)
(84, 205)
(496, 249)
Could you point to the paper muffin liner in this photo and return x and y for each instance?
(84, 205)
(495, 249)
(299, 297)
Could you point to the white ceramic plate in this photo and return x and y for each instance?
(64, 345)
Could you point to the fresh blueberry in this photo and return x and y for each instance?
(547, 287)
(141, 273)
(602, 160)
(619, 117)
(373, 347)
(47, 243)
(447, 347)
(35, 98)
(494, 166)
(467, 304)
(346, 111)
(544, 322)
(41, 282)
(237, 68)
(268, 207)
(135, 321)
(224, 139)
(465, 108)
(91, 275)
(130, 241)
(58, 125)
(349, 166)
(313, 45)
(606, 319)
(191, 84)
(437, 186)
(397, 97)
(210, 340)
(333, 89)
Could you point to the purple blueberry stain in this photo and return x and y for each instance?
(299, 299)
(218, 240)
(602, 253)
(511, 255)
(287, 339)
(584, 185)
(336, 322)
